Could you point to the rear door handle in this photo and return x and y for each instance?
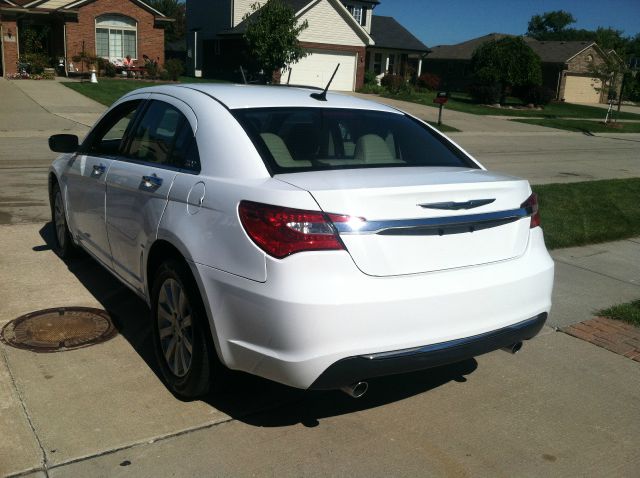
(152, 181)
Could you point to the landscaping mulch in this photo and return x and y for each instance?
(613, 335)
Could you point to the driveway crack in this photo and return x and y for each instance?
(26, 411)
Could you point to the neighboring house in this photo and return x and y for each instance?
(566, 66)
(111, 29)
(340, 31)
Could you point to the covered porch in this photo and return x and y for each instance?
(33, 40)
(406, 63)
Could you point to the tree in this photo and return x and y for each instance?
(541, 26)
(506, 63)
(272, 36)
(172, 9)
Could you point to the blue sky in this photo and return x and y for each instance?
(453, 21)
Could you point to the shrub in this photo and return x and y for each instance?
(370, 78)
(535, 94)
(175, 68)
(109, 69)
(33, 63)
(393, 83)
(152, 69)
(429, 81)
(486, 93)
(164, 75)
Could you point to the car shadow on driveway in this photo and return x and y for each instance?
(245, 397)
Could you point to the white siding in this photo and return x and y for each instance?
(326, 25)
(241, 8)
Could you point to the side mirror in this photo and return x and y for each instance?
(63, 143)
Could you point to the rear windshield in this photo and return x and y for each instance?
(312, 139)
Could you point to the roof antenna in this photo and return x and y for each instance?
(323, 96)
(244, 78)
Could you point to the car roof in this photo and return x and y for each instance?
(238, 96)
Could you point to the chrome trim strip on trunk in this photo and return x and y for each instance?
(456, 206)
(451, 224)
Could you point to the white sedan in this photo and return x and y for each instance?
(317, 242)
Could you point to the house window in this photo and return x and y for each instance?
(116, 36)
(359, 13)
(377, 63)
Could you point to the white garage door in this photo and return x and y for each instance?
(581, 89)
(317, 68)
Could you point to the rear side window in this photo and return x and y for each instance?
(163, 136)
(310, 139)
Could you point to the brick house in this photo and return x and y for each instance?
(111, 29)
(566, 66)
(340, 31)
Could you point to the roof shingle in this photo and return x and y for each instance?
(388, 33)
(548, 51)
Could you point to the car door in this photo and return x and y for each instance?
(86, 179)
(138, 186)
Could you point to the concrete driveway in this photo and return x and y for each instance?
(561, 407)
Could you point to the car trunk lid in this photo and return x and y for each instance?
(419, 219)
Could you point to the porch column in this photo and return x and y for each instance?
(419, 67)
(386, 62)
(9, 46)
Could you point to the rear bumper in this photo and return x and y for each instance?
(317, 309)
(355, 369)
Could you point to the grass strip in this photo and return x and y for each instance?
(584, 126)
(629, 312)
(108, 90)
(443, 128)
(462, 102)
(577, 214)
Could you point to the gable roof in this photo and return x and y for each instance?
(548, 51)
(462, 51)
(68, 5)
(388, 33)
(241, 28)
(557, 51)
(299, 7)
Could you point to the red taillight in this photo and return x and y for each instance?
(281, 231)
(531, 204)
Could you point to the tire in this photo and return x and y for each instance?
(179, 322)
(63, 244)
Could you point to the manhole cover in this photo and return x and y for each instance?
(63, 328)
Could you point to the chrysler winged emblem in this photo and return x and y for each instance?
(455, 206)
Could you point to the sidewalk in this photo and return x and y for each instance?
(90, 412)
(61, 101)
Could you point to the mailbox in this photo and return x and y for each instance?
(441, 97)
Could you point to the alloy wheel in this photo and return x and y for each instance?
(60, 221)
(175, 327)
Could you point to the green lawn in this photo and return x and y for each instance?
(444, 128)
(108, 90)
(583, 125)
(629, 312)
(576, 214)
(462, 102)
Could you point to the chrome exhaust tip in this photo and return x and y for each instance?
(356, 390)
(513, 348)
